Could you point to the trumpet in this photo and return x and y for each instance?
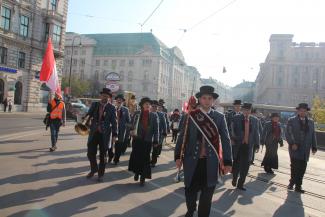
(83, 128)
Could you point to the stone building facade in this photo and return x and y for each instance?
(292, 72)
(144, 64)
(25, 27)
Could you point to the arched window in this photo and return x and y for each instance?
(2, 90)
(18, 93)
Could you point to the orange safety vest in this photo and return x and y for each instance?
(57, 112)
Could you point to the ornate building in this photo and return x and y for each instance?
(25, 26)
(292, 72)
(143, 63)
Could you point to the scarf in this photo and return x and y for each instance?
(276, 130)
(304, 125)
(144, 122)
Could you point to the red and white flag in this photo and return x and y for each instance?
(48, 72)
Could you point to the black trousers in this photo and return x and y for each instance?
(55, 125)
(298, 169)
(119, 147)
(97, 140)
(241, 165)
(199, 183)
(174, 136)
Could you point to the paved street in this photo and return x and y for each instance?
(35, 182)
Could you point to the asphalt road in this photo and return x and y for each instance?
(35, 182)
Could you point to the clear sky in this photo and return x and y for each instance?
(236, 37)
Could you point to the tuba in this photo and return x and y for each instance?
(83, 128)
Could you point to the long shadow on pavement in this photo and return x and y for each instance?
(292, 206)
(32, 196)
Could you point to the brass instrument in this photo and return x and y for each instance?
(83, 128)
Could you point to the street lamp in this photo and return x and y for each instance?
(74, 37)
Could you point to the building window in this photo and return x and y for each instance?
(105, 62)
(24, 23)
(113, 63)
(47, 31)
(5, 18)
(56, 34)
(3, 55)
(54, 4)
(82, 74)
(97, 62)
(131, 62)
(122, 62)
(96, 75)
(83, 52)
(21, 59)
(82, 62)
(75, 52)
(146, 62)
(121, 75)
(74, 62)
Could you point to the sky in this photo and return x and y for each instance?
(230, 33)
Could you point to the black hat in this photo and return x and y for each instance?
(176, 110)
(161, 101)
(247, 105)
(209, 90)
(144, 100)
(133, 96)
(120, 96)
(237, 102)
(303, 106)
(106, 91)
(275, 114)
(154, 102)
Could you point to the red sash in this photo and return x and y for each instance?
(210, 132)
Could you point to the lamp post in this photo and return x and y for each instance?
(74, 37)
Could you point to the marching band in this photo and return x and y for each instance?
(208, 143)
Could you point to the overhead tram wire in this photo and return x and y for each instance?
(146, 20)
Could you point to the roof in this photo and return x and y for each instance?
(125, 43)
(245, 84)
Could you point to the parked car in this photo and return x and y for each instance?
(76, 111)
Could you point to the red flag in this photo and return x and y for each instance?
(48, 72)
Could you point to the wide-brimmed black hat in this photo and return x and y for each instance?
(161, 101)
(154, 102)
(144, 100)
(237, 102)
(120, 96)
(176, 110)
(247, 105)
(106, 91)
(207, 90)
(303, 106)
(275, 114)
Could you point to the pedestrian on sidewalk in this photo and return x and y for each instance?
(246, 137)
(175, 120)
(271, 138)
(103, 130)
(56, 109)
(145, 135)
(301, 137)
(198, 150)
(123, 119)
(5, 104)
(9, 105)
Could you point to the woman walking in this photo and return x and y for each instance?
(145, 135)
(271, 137)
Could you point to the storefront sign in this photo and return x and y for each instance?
(113, 86)
(113, 76)
(8, 70)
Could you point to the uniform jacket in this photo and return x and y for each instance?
(238, 131)
(108, 125)
(162, 124)
(123, 121)
(192, 149)
(229, 118)
(267, 135)
(152, 134)
(305, 140)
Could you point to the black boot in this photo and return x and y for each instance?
(142, 181)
